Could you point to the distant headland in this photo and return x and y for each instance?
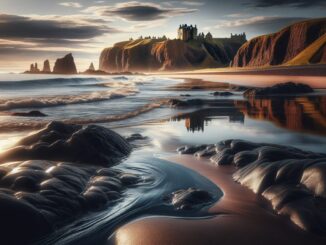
(193, 50)
(188, 51)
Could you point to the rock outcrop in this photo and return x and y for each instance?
(46, 67)
(161, 54)
(29, 114)
(39, 196)
(284, 46)
(293, 180)
(73, 143)
(288, 88)
(65, 65)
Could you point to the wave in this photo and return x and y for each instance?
(45, 82)
(120, 117)
(51, 101)
(7, 126)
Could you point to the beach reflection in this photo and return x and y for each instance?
(301, 114)
(196, 121)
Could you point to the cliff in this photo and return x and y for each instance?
(65, 65)
(160, 54)
(284, 46)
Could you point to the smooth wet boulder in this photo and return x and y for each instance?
(190, 198)
(135, 137)
(73, 143)
(288, 88)
(314, 179)
(39, 196)
(293, 180)
(20, 221)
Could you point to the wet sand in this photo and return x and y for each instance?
(240, 217)
(315, 76)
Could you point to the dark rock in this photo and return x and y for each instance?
(278, 89)
(129, 179)
(217, 93)
(134, 137)
(72, 143)
(181, 103)
(191, 149)
(293, 180)
(190, 198)
(29, 114)
(19, 217)
(65, 65)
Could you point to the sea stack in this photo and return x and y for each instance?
(91, 67)
(46, 67)
(65, 65)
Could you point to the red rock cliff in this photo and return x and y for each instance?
(281, 47)
(158, 54)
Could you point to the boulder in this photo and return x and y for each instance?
(91, 144)
(293, 180)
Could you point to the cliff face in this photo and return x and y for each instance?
(282, 47)
(65, 65)
(159, 54)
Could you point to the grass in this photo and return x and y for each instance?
(304, 57)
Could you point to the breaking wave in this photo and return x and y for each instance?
(50, 101)
(46, 82)
(6, 126)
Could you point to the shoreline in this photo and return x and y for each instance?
(242, 217)
(304, 70)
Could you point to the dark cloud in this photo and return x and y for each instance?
(293, 3)
(137, 11)
(14, 26)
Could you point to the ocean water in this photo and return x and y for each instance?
(138, 104)
(120, 101)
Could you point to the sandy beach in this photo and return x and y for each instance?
(239, 217)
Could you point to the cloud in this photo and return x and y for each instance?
(40, 27)
(71, 4)
(258, 24)
(137, 11)
(292, 3)
(193, 3)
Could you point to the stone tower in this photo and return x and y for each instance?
(187, 33)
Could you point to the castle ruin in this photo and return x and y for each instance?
(239, 37)
(187, 33)
(190, 32)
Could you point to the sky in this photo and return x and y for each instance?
(35, 30)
